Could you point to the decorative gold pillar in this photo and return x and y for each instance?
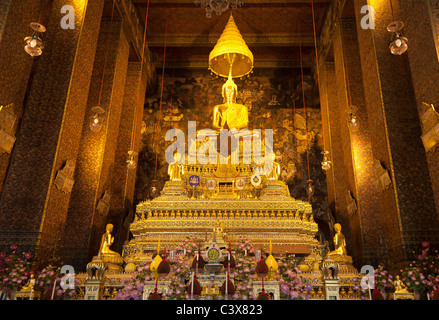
(421, 26)
(362, 201)
(91, 194)
(15, 17)
(337, 178)
(124, 179)
(406, 200)
(33, 208)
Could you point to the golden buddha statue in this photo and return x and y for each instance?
(275, 170)
(219, 228)
(106, 242)
(29, 286)
(400, 287)
(175, 169)
(230, 115)
(339, 242)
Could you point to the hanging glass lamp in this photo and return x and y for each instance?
(310, 188)
(326, 164)
(131, 162)
(399, 44)
(34, 45)
(97, 119)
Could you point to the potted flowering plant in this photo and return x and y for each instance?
(14, 270)
(189, 245)
(133, 289)
(414, 279)
(383, 281)
(421, 274)
(244, 270)
(243, 275)
(292, 285)
(428, 263)
(180, 271)
(45, 278)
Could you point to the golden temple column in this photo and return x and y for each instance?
(361, 196)
(91, 194)
(15, 17)
(33, 207)
(405, 194)
(336, 176)
(123, 180)
(421, 19)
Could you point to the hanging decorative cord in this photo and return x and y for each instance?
(391, 9)
(106, 54)
(170, 106)
(161, 99)
(133, 141)
(304, 101)
(41, 13)
(318, 76)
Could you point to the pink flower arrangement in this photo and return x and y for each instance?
(14, 269)
(383, 279)
(133, 289)
(292, 285)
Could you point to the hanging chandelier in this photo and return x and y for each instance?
(218, 6)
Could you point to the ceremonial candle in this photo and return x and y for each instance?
(192, 286)
(53, 291)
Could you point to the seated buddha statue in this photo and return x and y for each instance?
(230, 115)
(29, 286)
(339, 242)
(106, 242)
(175, 169)
(400, 287)
(275, 170)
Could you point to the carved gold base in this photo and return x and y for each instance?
(112, 263)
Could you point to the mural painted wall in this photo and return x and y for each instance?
(274, 100)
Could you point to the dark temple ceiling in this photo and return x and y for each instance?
(273, 30)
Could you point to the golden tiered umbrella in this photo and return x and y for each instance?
(231, 53)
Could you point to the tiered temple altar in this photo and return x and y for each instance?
(220, 202)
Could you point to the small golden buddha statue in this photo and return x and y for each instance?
(219, 228)
(230, 115)
(175, 169)
(400, 287)
(29, 285)
(339, 242)
(106, 242)
(275, 170)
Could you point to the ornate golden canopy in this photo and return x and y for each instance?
(231, 53)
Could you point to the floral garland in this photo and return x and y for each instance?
(14, 269)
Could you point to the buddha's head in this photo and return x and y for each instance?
(337, 227)
(230, 90)
(177, 157)
(109, 227)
